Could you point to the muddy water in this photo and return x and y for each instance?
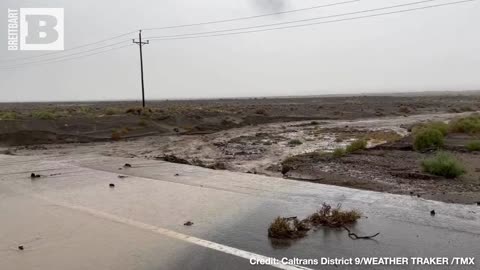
(253, 148)
(232, 209)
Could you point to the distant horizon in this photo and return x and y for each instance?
(370, 94)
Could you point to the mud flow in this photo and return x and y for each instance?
(294, 139)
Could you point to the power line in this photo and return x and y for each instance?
(77, 53)
(263, 30)
(91, 54)
(249, 17)
(176, 26)
(225, 30)
(309, 24)
(66, 58)
(302, 20)
(78, 57)
(70, 49)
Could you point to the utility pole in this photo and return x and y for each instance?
(140, 45)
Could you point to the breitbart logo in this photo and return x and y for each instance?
(35, 29)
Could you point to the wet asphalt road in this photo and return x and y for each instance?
(71, 219)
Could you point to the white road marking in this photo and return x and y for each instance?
(172, 234)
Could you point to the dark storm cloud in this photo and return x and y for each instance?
(271, 5)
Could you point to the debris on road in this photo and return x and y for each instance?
(333, 217)
(432, 213)
(292, 228)
(111, 185)
(122, 176)
(354, 236)
(288, 228)
(127, 165)
(20, 247)
(33, 175)
(188, 223)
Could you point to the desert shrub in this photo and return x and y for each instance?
(443, 164)
(438, 125)
(294, 142)
(44, 115)
(261, 111)
(118, 133)
(85, 110)
(143, 123)
(147, 112)
(338, 152)
(356, 145)
(467, 109)
(333, 217)
(139, 111)
(134, 110)
(473, 146)
(8, 115)
(428, 138)
(404, 109)
(454, 110)
(112, 111)
(470, 124)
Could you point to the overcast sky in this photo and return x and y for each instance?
(428, 50)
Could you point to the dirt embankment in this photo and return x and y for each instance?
(395, 168)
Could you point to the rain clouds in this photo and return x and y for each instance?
(271, 5)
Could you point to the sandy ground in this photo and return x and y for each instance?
(34, 123)
(255, 136)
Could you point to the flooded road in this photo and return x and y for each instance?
(71, 219)
(256, 149)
